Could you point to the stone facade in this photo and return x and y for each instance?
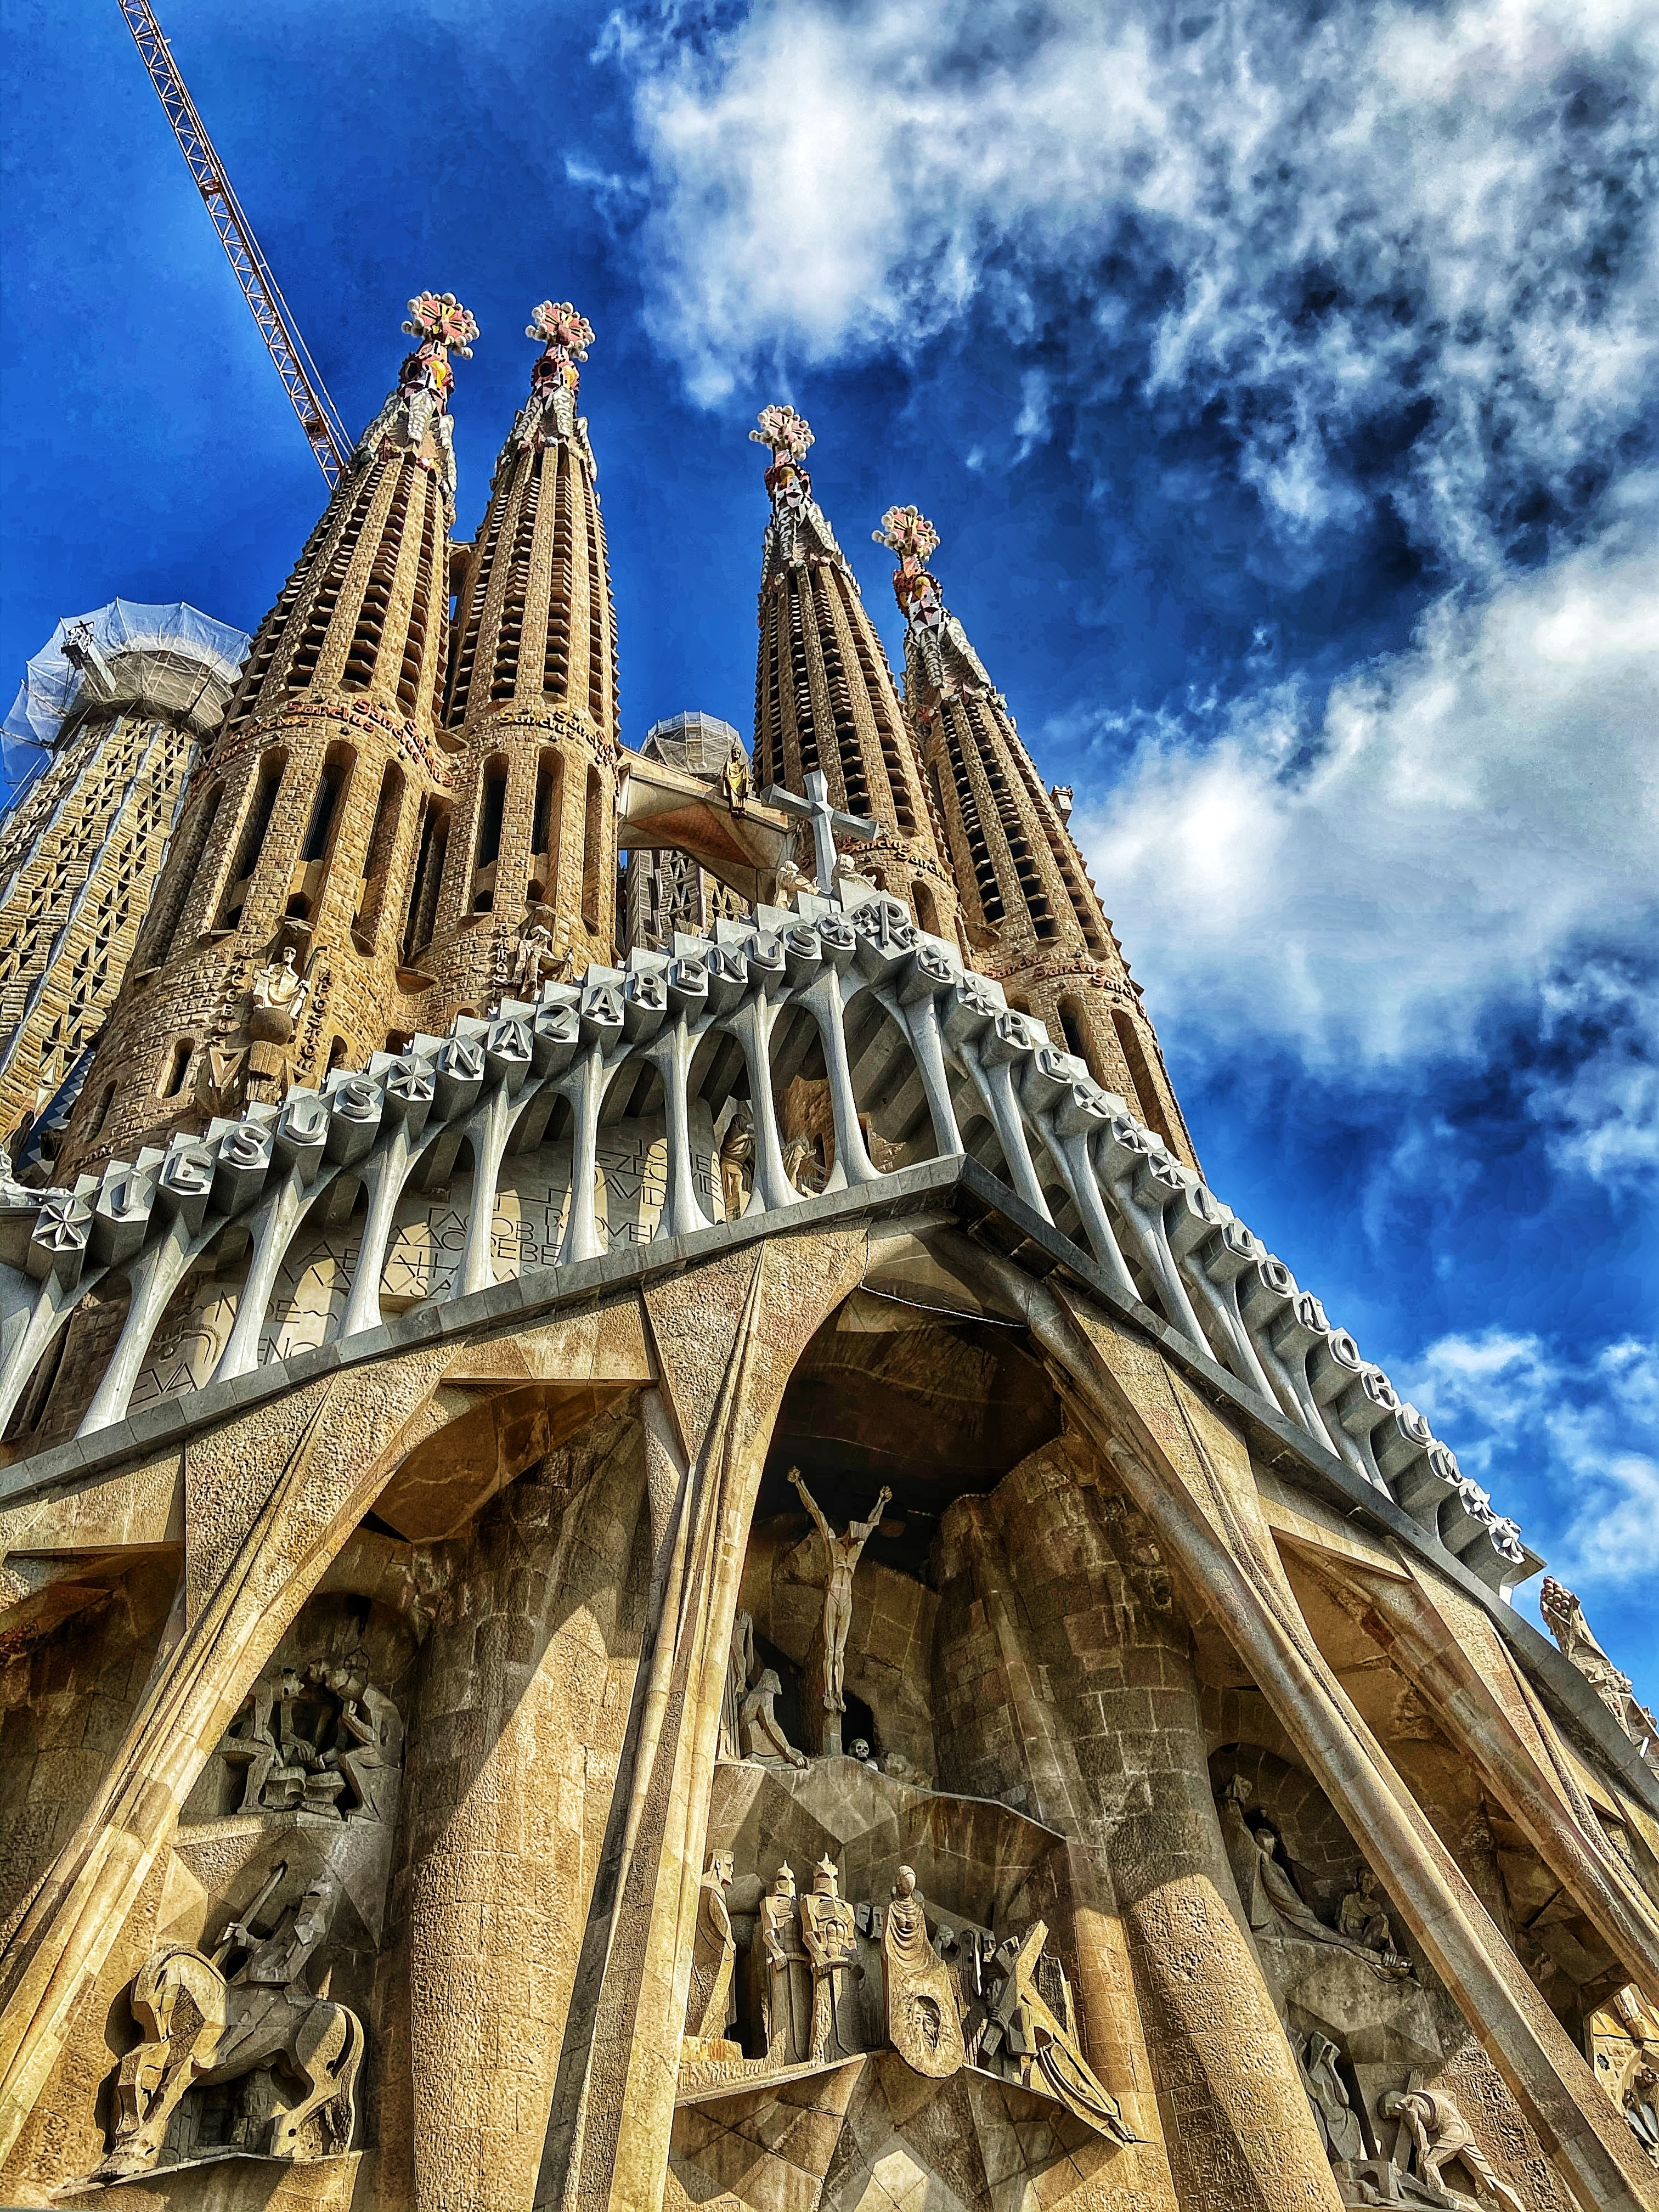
(713, 1576)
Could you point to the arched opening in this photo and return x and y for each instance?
(100, 1114)
(1079, 1043)
(593, 850)
(487, 851)
(432, 853)
(255, 829)
(544, 813)
(310, 872)
(337, 1053)
(377, 859)
(1143, 1091)
(177, 1066)
(926, 908)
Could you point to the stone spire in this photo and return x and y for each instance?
(363, 613)
(301, 835)
(533, 691)
(825, 697)
(1029, 909)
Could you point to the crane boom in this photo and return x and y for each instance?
(319, 418)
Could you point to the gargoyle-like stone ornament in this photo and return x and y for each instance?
(202, 2025)
(1565, 1618)
(1440, 2134)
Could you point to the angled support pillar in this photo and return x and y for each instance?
(1456, 1661)
(291, 1485)
(727, 1338)
(1189, 1475)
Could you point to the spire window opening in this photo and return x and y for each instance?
(408, 675)
(272, 630)
(544, 816)
(433, 853)
(308, 651)
(978, 852)
(555, 652)
(179, 879)
(509, 629)
(252, 841)
(377, 859)
(479, 579)
(806, 736)
(310, 873)
(363, 654)
(592, 850)
(492, 809)
(601, 622)
(1143, 1091)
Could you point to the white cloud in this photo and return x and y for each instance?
(1335, 218)
(1472, 811)
(1579, 1437)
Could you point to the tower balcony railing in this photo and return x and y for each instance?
(652, 1101)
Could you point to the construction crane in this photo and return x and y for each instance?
(318, 417)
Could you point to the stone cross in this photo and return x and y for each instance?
(825, 820)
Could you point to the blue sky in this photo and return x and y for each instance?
(1282, 381)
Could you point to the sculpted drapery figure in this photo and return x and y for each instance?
(1338, 2122)
(924, 2025)
(739, 1665)
(1440, 2134)
(841, 1556)
(787, 1989)
(713, 1949)
(1277, 1907)
(759, 1728)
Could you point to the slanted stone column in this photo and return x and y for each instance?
(1088, 1617)
(1191, 1475)
(727, 1337)
(1454, 1658)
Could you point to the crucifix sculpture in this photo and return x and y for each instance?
(825, 820)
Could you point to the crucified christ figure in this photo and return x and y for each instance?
(843, 1553)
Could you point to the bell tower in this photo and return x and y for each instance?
(825, 697)
(272, 948)
(532, 696)
(1031, 912)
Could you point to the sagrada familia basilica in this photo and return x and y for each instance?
(658, 1546)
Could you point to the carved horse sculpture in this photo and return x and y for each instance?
(202, 2027)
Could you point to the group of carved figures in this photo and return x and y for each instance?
(326, 1742)
(949, 1998)
(1432, 2133)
